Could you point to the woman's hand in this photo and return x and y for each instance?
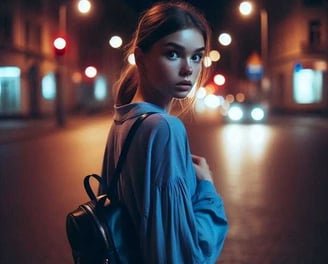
(203, 171)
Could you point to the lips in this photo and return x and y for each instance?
(184, 85)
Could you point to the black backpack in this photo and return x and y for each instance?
(100, 230)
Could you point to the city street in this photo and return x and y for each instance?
(273, 178)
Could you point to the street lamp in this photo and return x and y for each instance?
(246, 9)
(225, 39)
(230, 58)
(84, 7)
(115, 42)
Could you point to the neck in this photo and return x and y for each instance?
(151, 98)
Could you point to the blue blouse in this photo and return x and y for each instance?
(179, 219)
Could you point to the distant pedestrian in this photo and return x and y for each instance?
(177, 214)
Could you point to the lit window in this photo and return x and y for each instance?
(100, 89)
(10, 96)
(9, 72)
(49, 86)
(307, 85)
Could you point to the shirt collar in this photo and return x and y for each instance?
(130, 111)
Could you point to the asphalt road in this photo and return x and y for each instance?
(272, 177)
(274, 181)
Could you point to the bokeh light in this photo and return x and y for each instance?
(207, 61)
(115, 42)
(76, 77)
(132, 59)
(240, 97)
(230, 98)
(201, 93)
(214, 55)
(90, 71)
(219, 79)
(84, 6)
(59, 43)
(212, 101)
(245, 8)
(225, 39)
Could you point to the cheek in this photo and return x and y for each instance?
(169, 70)
(162, 71)
(196, 70)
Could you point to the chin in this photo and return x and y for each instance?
(182, 95)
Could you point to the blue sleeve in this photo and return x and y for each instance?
(185, 220)
(211, 219)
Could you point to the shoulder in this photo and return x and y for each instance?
(161, 129)
(162, 122)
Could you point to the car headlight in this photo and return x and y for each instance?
(235, 113)
(257, 114)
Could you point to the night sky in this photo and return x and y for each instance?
(120, 17)
(223, 16)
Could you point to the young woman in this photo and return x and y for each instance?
(169, 193)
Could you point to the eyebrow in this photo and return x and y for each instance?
(177, 46)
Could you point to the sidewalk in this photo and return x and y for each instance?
(13, 130)
(16, 129)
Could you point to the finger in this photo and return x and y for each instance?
(196, 159)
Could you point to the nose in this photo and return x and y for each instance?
(186, 69)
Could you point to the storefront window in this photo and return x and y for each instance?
(308, 85)
(9, 90)
(49, 86)
(100, 91)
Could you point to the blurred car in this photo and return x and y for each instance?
(246, 112)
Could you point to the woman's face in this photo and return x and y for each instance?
(171, 67)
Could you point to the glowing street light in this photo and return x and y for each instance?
(246, 8)
(132, 59)
(84, 6)
(207, 62)
(115, 42)
(219, 79)
(60, 46)
(225, 39)
(90, 72)
(214, 55)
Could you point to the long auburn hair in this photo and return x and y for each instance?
(160, 20)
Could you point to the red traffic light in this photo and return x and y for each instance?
(59, 45)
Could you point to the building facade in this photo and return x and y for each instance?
(298, 56)
(29, 67)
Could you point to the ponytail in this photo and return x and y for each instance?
(126, 86)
